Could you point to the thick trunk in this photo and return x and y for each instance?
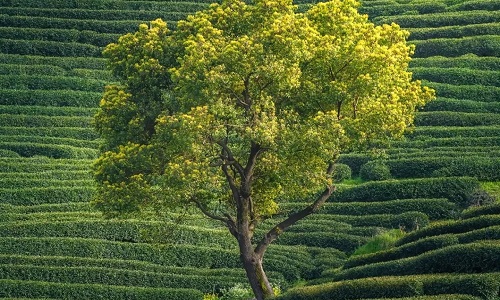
(257, 278)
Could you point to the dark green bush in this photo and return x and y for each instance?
(8, 153)
(42, 82)
(471, 92)
(14, 183)
(470, 61)
(79, 143)
(375, 170)
(342, 172)
(491, 209)
(462, 105)
(457, 31)
(58, 132)
(457, 76)
(410, 220)
(50, 98)
(343, 242)
(54, 151)
(67, 63)
(193, 6)
(445, 227)
(33, 289)
(34, 196)
(13, 69)
(475, 5)
(449, 118)
(48, 48)
(46, 110)
(399, 9)
(483, 45)
(440, 19)
(44, 121)
(484, 286)
(354, 161)
(456, 189)
(462, 258)
(407, 250)
(435, 297)
(439, 208)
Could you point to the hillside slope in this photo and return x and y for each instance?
(53, 244)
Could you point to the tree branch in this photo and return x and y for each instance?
(230, 157)
(227, 219)
(273, 234)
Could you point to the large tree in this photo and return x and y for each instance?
(244, 106)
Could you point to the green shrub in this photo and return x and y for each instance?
(484, 286)
(342, 172)
(50, 98)
(457, 76)
(484, 45)
(48, 48)
(440, 19)
(470, 61)
(398, 9)
(456, 189)
(449, 118)
(380, 242)
(34, 196)
(21, 288)
(354, 161)
(439, 208)
(56, 132)
(341, 241)
(13, 69)
(462, 105)
(193, 5)
(462, 258)
(67, 63)
(54, 151)
(472, 92)
(8, 153)
(375, 170)
(409, 220)
(79, 143)
(44, 121)
(475, 5)
(456, 31)
(42, 82)
(435, 297)
(445, 227)
(490, 209)
(488, 233)
(407, 250)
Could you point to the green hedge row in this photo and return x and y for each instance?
(457, 31)
(488, 141)
(41, 82)
(483, 168)
(439, 208)
(100, 26)
(34, 196)
(59, 35)
(48, 175)
(13, 69)
(476, 5)
(409, 220)
(462, 105)
(49, 150)
(440, 19)
(58, 132)
(8, 153)
(92, 74)
(32, 289)
(344, 242)
(450, 118)
(492, 209)
(50, 98)
(44, 121)
(404, 251)
(93, 14)
(67, 63)
(455, 227)
(492, 152)
(111, 4)
(79, 143)
(13, 183)
(436, 297)
(121, 230)
(484, 286)
(470, 92)
(467, 61)
(47, 110)
(354, 161)
(456, 189)
(48, 48)
(447, 132)
(25, 211)
(398, 9)
(457, 76)
(73, 262)
(118, 277)
(482, 45)
(464, 258)
(43, 164)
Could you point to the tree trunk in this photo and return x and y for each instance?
(252, 263)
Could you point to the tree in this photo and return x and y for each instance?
(243, 106)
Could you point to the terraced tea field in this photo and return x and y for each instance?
(54, 245)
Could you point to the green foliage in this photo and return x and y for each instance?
(490, 209)
(483, 45)
(440, 19)
(21, 288)
(458, 76)
(450, 118)
(47, 48)
(42, 82)
(380, 242)
(33, 196)
(463, 105)
(67, 63)
(50, 97)
(375, 170)
(456, 189)
(470, 92)
(456, 31)
(341, 172)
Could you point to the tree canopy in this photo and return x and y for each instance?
(242, 106)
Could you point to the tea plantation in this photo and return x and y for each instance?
(435, 190)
